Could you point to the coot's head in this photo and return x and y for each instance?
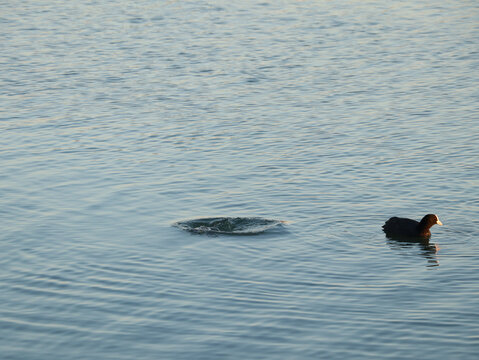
(429, 220)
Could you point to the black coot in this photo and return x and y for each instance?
(408, 228)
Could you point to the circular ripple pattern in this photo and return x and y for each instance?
(118, 118)
(228, 225)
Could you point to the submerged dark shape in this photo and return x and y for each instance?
(407, 228)
(228, 225)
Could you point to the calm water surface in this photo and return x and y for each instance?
(119, 118)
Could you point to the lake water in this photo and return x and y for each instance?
(120, 118)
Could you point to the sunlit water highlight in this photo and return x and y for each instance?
(118, 119)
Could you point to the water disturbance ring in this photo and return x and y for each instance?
(229, 225)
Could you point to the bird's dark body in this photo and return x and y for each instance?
(408, 228)
(403, 227)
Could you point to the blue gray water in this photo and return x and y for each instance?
(120, 118)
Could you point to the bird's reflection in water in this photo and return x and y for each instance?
(426, 248)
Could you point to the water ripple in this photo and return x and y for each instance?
(331, 117)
